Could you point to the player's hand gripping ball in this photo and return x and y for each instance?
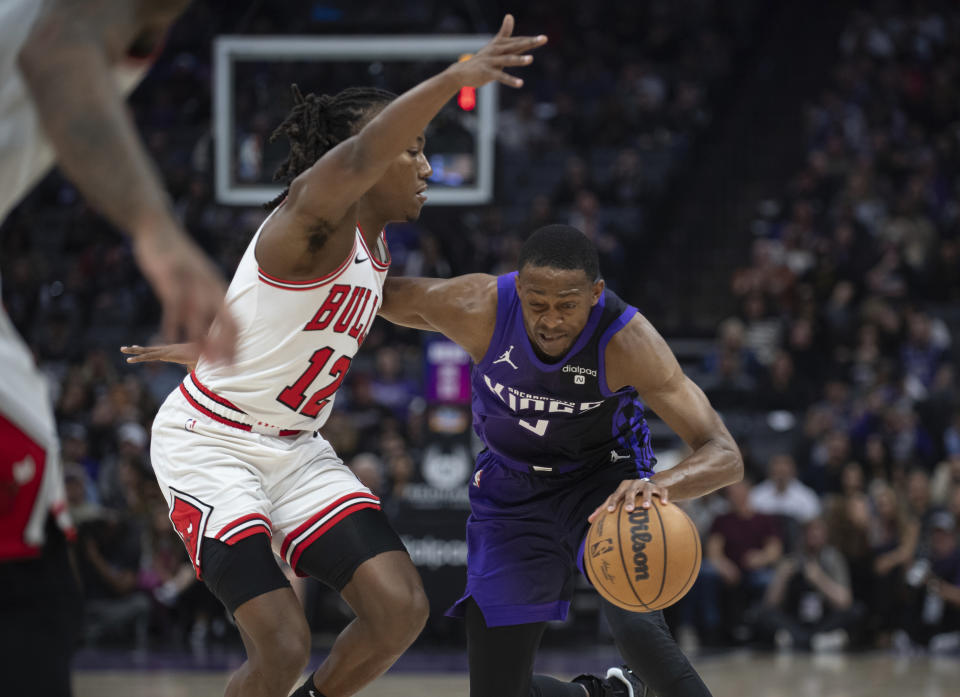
(645, 559)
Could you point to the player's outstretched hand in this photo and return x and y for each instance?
(191, 291)
(503, 51)
(183, 354)
(628, 491)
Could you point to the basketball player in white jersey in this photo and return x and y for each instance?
(65, 68)
(236, 449)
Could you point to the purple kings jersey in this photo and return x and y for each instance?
(556, 417)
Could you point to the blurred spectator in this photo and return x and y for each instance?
(122, 473)
(849, 522)
(781, 388)
(945, 480)
(920, 507)
(782, 493)
(108, 562)
(369, 470)
(935, 601)
(519, 129)
(893, 539)
(391, 387)
(741, 551)
(809, 603)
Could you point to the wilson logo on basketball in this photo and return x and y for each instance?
(639, 537)
(654, 560)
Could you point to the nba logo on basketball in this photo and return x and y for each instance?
(601, 547)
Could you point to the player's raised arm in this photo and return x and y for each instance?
(66, 63)
(639, 357)
(327, 190)
(464, 308)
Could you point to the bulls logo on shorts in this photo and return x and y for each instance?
(189, 517)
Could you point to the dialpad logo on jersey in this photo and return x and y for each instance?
(579, 373)
(189, 518)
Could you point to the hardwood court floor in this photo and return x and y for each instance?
(734, 675)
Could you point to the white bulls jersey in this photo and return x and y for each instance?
(296, 342)
(25, 153)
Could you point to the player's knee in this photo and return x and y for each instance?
(403, 615)
(286, 651)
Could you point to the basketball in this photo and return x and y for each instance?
(645, 559)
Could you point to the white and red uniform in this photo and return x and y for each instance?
(31, 482)
(235, 448)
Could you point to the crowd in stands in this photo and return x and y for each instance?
(844, 342)
(841, 332)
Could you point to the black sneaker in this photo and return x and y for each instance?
(623, 682)
(595, 686)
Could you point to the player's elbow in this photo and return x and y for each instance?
(731, 462)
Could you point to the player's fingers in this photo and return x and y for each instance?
(647, 491)
(506, 28)
(511, 59)
(619, 495)
(508, 80)
(636, 489)
(662, 493)
(521, 44)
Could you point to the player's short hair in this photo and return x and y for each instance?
(560, 247)
(317, 124)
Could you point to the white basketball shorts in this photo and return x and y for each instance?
(227, 484)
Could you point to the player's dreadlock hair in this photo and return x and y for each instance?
(317, 124)
(561, 247)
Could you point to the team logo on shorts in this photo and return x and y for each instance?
(189, 517)
(476, 477)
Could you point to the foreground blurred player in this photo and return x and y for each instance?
(562, 369)
(65, 68)
(236, 449)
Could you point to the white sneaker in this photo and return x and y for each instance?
(830, 642)
(783, 640)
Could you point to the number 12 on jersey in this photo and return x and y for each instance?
(295, 396)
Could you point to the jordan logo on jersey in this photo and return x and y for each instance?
(505, 358)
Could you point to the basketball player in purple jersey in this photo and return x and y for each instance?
(65, 70)
(562, 371)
